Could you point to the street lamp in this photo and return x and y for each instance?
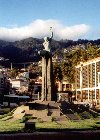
(81, 79)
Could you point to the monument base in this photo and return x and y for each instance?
(47, 76)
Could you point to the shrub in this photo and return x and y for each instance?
(6, 110)
(5, 115)
(26, 118)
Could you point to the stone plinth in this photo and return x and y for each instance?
(46, 75)
(30, 125)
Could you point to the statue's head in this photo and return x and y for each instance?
(46, 38)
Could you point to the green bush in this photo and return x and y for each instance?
(5, 115)
(26, 118)
(53, 119)
(6, 110)
(85, 115)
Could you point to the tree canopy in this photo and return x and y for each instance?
(74, 57)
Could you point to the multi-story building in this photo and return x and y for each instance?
(88, 81)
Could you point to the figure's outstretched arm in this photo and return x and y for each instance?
(51, 33)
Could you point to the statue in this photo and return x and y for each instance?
(47, 68)
(47, 41)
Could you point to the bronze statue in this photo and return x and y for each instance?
(47, 41)
(47, 68)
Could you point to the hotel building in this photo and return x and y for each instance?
(87, 81)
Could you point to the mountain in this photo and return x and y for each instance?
(26, 50)
(20, 51)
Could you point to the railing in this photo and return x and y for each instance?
(63, 113)
(35, 96)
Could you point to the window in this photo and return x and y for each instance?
(2, 81)
(98, 77)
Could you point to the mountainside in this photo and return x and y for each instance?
(26, 50)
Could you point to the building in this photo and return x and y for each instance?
(64, 85)
(4, 85)
(64, 89)
(88, 81)
(19, 84)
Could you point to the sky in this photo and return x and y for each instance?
(69, 19)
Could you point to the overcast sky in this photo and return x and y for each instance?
(70, 19)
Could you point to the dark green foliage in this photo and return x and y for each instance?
(27, 49)
(74, 57)
(26, 118)
(6, 110)
(68, 70)
(14, 73)
(85, 115)
(5, 115)
(57, 71)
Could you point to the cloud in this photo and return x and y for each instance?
(40, 28)
(95, 33)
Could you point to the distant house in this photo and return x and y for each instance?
(38, 84)
(19, 84)
(64, 90)
(23, 75)
(4, 85)
(64, 85)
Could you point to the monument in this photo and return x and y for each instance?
(47, 71)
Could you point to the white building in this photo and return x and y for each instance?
(88, 81)
(20, 85)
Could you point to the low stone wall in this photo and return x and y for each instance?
(69, 135)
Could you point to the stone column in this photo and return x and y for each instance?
(46, 78)
(49, 80)
(43, 77)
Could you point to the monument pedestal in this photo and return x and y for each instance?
(46, 76)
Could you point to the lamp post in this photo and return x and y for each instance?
(81, 80)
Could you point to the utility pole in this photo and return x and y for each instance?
(11, 66)
(81, 80)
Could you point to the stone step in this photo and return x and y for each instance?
(54, 112)
(20, 109)
(60, 118)
(53, 105)
(37, 105)
(46, 118)
(72, 116)
(36, 113)
(30, 112)
(19, 116)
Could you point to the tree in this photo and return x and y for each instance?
(57, 72)
(68, 70)
(92, 51)
(77, 55)
(14, 72)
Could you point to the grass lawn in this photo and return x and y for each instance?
(6, 126)
(83, 124)
(18, 126)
